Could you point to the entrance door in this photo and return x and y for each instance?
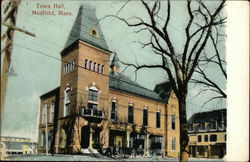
(193, 151)
(85, 137)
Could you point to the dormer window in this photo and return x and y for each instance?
(93, 32)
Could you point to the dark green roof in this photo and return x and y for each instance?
(125, 84)
(215, 115)
(85, 21)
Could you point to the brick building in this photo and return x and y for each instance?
(98, 107)
(207, 134)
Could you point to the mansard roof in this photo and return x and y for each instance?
(125, 84)
(215, 115)
(87, 29)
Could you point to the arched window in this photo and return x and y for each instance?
(173, 143)
(130, 113)
(173, 122)
(42, 139)
(102, 70)
(93, 97)
(44, 114)
(90, 65)
(86, 64)
(113, 114)
(98, 68)
(70, 66)
(67, 68)
(64, 69)
(158, 119)
(67, 102)
(145, 116)
(52, 112)
(94, 67)
(74, 63)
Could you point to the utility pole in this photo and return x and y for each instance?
(10, 12)
(46, 129)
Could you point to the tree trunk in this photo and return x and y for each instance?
(183, 129)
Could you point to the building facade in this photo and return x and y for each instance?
(96, 107)
(16, 145)
(207, 134)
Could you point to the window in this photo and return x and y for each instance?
(213, 138)
(44, 114)
(74, 62)
(67, 68)
(92, 106)
(199, 138)
(173, 122)
(67, 110)
(130, 114)
(52, 111)
(102, 70)
(202, 126)
(206, 138)
(158, 120)
(113, 110)
(64, 69)
(98, 68)
(86, 64)
(173, 144)
(94, 68)
(70, 66)
(42, 139)
(213, 125)
(93, 32)
(90, 65)
(93, 95)
(67, 102)
(145, 116)
(67, 95)
(190, 127)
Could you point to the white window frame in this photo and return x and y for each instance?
(93, 88)
(156, 119)
(52, 112)
(74, 62)
(173, 143)
(66, 102)
(42, 139)
(44, 114)
(116, 107)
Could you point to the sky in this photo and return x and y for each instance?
(37, 73)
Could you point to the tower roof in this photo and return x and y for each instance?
(115, 61)
(87, 28)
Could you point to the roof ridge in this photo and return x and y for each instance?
(138, 84)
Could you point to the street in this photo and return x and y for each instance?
(58, 157)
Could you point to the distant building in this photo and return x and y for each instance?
(207, 134)
(97, 107)
(17, 145)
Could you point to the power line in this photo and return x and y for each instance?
(79, 66)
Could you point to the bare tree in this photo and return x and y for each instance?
(216, 60)
(179, 67)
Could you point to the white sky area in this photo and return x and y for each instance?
(37, 74)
